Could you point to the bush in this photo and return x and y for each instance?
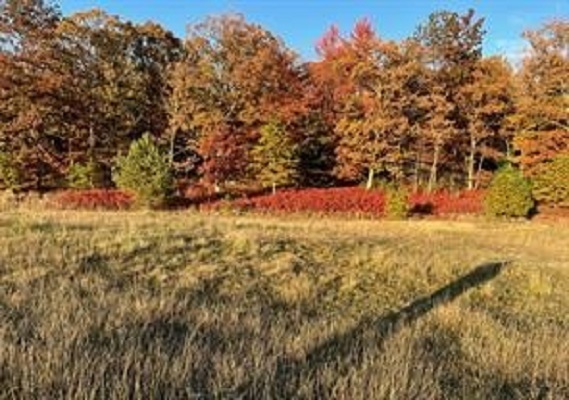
(345, 200)
(444, 202)
(94, 199)
(509, 194)
(146, 172)
(10, 177)
(348, 200)
(551, 182)
(84, 176)
(396, 202)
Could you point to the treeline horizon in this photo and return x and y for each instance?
(231, 104)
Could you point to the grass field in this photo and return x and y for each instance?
(187, 305)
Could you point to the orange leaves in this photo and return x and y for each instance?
(542, 120)
(368, 79)
(539, 147)
(236, 77)
(428, 108)
(242, 69)
(225, 156)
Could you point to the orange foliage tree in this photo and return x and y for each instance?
(542, 121)
(235, 76)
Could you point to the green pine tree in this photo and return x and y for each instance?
(275, 157)
(146, 172)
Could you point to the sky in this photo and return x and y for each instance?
(300, 23)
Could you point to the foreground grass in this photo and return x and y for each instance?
(182, 305)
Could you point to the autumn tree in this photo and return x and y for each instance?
(275, 157)
(373, 130)
(330, 82)
(75, 91)
(325, 85)
(453, 48)
(488, 101)
(34, 104)
(119, 77)
(542, 121)
(436, 127)
(236, 76)
(551, 182)
(154, 49)
(224, 156)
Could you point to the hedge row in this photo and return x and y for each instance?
(351, 200)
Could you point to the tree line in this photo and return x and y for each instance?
(232, 104)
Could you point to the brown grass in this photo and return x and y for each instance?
(186, 305)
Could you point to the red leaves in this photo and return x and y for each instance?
(346, 200)
(353, 200)
(94, 199)
(225, 157)
(444, 202)
(330, 44)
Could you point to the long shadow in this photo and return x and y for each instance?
(350, 347)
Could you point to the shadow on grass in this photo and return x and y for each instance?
(348, 349)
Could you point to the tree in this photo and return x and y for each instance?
(119, 79)
(374, 128)
(275, 157)
(551, 182)
(235, 77)
(224, 158)
(146, 172)
(509, 194)
(542, 120)
(396, 202)
(453, 49)
(329, 76)
(34, 100)
(453, 43)
(316, 149)
(436, 127)
(154, 49)
(489, 101)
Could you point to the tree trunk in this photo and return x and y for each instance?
(434, 168)
(172, 145)
(274, 188)
(416, 172)
(477, 184)
(370, 176)
(91, 144)
(471, 163)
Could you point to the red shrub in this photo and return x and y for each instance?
(350, 200)
(93, 199)
(443, 202)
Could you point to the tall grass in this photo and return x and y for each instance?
(184, 305)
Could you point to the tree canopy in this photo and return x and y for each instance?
(231, 104)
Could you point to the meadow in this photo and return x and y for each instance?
(142, 305)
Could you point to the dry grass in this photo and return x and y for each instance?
(183, 305)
